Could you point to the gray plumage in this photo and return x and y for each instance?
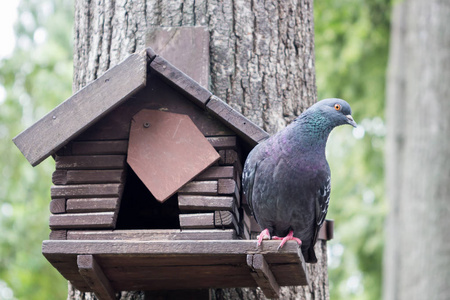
(286, 178)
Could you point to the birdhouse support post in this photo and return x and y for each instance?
(93, 274)
(263, 275)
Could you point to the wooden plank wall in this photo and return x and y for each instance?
(213, 198)
(90, 177)
(88, 185)
(90, 172)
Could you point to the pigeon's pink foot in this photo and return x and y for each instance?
(264, 235)
(289, 237)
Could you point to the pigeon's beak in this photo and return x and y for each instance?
(350, 120)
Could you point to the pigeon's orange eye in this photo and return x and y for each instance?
(337, 106)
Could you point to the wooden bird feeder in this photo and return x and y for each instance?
(147, 191)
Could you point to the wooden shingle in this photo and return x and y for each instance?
(82, 109)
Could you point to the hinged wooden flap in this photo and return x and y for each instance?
(166, 150)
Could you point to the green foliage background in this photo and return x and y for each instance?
(351, 56)
(352, 39)
(36, 78)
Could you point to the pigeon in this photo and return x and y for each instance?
(286, 178)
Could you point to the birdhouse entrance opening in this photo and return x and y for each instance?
(140, 210)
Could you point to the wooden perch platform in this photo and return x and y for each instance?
(104, 266)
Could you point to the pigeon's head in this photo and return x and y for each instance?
(336, 111)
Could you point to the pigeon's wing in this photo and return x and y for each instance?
(323, 200)
(248, 178)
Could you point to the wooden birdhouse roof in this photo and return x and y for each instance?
(113, 88)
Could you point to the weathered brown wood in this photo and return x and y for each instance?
(157, 95)
(224, 219)
(227, 186)
(95, 176)
(85, 221)
(231, 157)
(200, 277)
(299, 272)
(246, 220)
(99, 147)
(83, 109)
(58, 235)
(208, 203)
(254, 227)
(185, 84)
(77, 147)
(58, 206)
(193, 59)
(245, 233)
(199, 188)
(154, 265)
(176, 147)
(241, 125)
(154, 234)
(92, 205)
(246, 225)
(149, 260)
(90, 162)
(93, 274)
(62, 177)
(86, 190)
(151, 54)
(326, 231)
(216, 172)
(197, 221)
(223, 142)
(236, 247)
(65, 150)
(263, 275)
(290, 275)
(222, 154)
(59, 177)
(238, 174)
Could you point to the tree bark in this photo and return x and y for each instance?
(417, 260)
(261, 63)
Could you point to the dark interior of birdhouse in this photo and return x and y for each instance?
(140, 210)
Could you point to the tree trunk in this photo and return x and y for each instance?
(417, 260)
(261, 63)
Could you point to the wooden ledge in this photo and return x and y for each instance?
(174, 265)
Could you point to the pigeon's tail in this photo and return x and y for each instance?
(309, 255)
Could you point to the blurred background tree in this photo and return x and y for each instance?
(417, 252)
(351, 56)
